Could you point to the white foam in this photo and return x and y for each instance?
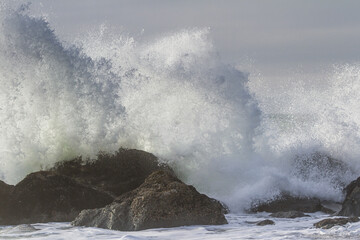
(174, 97)
(239, 227)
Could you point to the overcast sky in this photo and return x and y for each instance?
(276, 35)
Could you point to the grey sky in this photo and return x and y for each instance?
(275, 34)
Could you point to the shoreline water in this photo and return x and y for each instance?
(239, 227)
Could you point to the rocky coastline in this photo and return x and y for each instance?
(130, 190)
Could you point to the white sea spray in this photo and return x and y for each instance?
(219, 128)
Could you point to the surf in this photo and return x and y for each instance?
(174, 97)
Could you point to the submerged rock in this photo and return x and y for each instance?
(331, 222)
(265, 222)
(351, 204)
(289, 203)
(23, 228)
(46, 197)
(116, 174)
(289, 214)
(161, 201)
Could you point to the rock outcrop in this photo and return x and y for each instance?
(116, 174)
(289, 214)
(46, 196)
(289, 203)
(351, 204)
(265, 222)
(331, 222)
(161, 201)
(71, 186)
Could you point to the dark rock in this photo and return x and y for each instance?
(161, 201)
(331, 222)
(288, 203)
(289, 214)
(5, 191)
(265, 222)
(46, 197)
(71, 186)
(351, 186)
(116, 174)
(351, 204)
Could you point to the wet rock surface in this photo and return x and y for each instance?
(62, 192)
(331, 222)
(289, 203)
(265, 222)
(113, 173)
(46, 196)
(161, 201)
(351, 204)
(23, 228)
(288, 214)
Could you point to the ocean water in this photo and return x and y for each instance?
(235, 137)
(241, 226)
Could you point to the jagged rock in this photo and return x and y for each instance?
(288, 203)
(351, 204)
(116, 174)
(46, 196)
(71, 186)
(331, 222)
(265, 222)
(289, 214)
(161, 201)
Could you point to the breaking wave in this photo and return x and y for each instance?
(174, 97)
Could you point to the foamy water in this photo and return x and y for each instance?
(239, 227)
(234, 137)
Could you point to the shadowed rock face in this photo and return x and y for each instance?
(116, 174)
(351, 204)
(161, 201)
(5, 191)
(46, 196)
(331, 222)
